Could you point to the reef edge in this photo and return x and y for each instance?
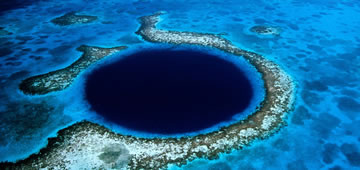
(60, 79)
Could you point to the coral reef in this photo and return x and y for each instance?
(61, 79)
(266, 30)
(71, 18)
(86, 144)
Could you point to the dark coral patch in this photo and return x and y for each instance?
(265, 30)
(17, 63)
(330, 152)
(316, 85)
(3, 32)
(351, 153)
(348, 104)
(35, 57)
(301, 114)
(5, 52)
(42, 49)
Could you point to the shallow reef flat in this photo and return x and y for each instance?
(87, 144)
(71, 18)
(63, 78)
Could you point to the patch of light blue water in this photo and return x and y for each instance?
(322, 129)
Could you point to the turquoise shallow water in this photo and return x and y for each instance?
(319, 47)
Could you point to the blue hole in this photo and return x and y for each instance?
(168, 91)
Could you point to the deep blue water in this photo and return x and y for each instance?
(168, 91)
(14, 4)
(319, 47)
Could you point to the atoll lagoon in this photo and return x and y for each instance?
(179, 85)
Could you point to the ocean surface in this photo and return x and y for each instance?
(319, 47)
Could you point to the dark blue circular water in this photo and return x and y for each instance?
(168, 91)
